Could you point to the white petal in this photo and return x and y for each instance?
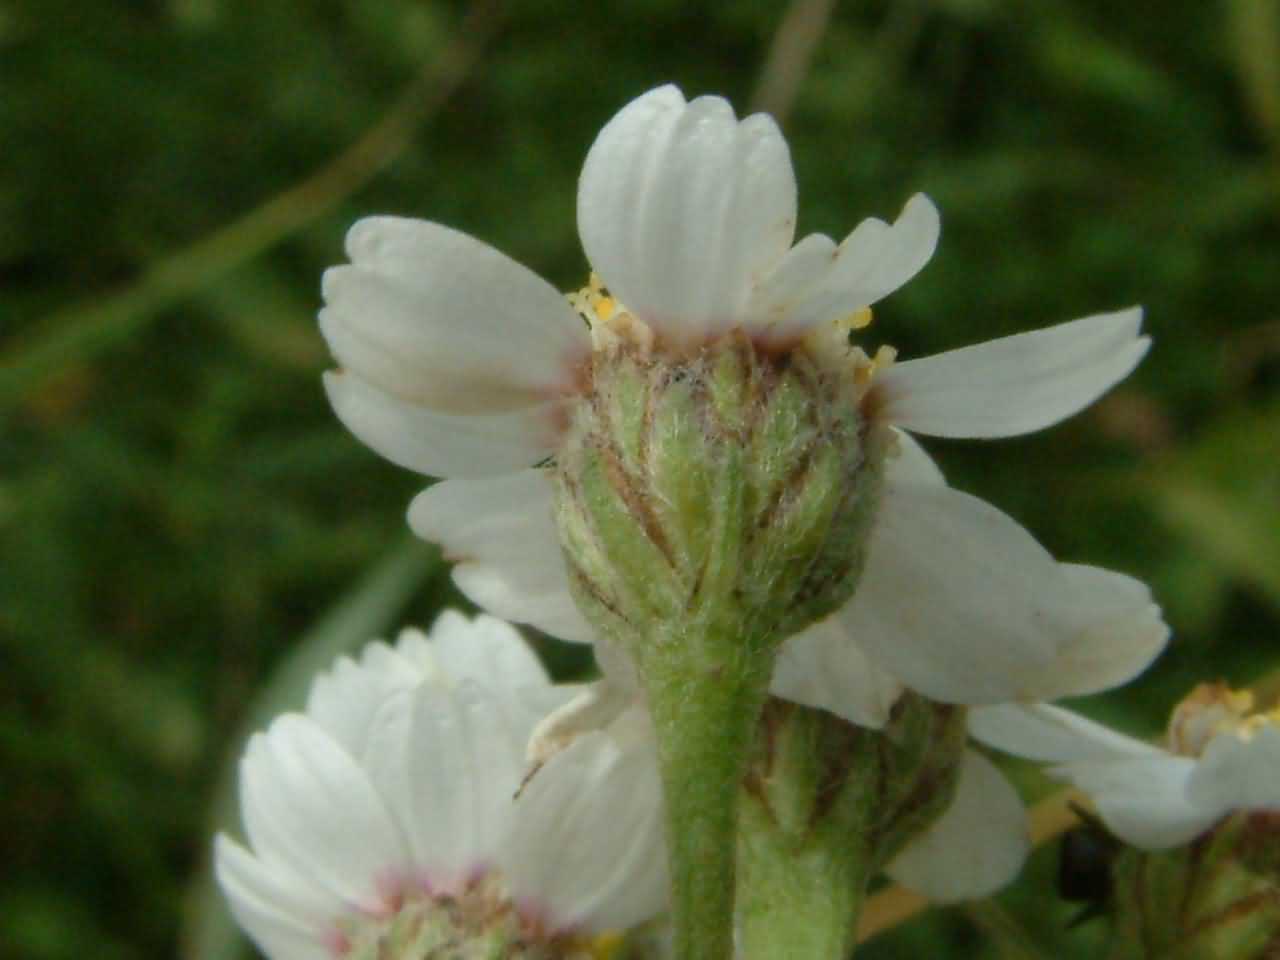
(501, 532)
(616, 665)
(908, 463)
(823, 667)
(1121, 631)
(586, 844)
(1143, 800)
(448, 764)
(416, 648)
(872, 262)
(1239, 774)
(285, 915)
(308, 806)
(439, 444)
(1141, 792)
(1016, 384)
(1051, 734)
(592, 706)
(682, 208)
(788, 284)
(490, 654)
(343, 699)
(441, 320)
(976, 847)
(526, 599)
(486, 651)
(957, 600)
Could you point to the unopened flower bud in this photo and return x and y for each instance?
(722, 482)
(1217, 898)
(825, 805)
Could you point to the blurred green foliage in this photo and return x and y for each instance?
(178, 507)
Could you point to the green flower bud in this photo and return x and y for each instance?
(727, 485)
(1216, 899)
(825, 805)
(711, 501)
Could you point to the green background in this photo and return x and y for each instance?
(186, 531)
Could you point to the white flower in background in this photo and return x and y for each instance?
(1222, 757)
(460, 363)
(381, 822)
(976, 847)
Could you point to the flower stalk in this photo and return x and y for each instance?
(807, 845)
(824, 806)
(710, 502)
(704, 697)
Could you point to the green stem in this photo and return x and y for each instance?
(825, 804)
(705, 690)
(798, 902)
(809, 842)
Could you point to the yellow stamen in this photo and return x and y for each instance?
(865, 368)
(593, 302)
(1212, 709)
(860, 319)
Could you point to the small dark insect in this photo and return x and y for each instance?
(1085, 857)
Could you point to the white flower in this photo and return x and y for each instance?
(460, 363)
(393, 793)
(1222, 758)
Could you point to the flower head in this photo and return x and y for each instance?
(461, 364)
(1223, 757)
(381, 822)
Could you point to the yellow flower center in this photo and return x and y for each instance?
(1212, 709)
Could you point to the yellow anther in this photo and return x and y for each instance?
(593, 302)
(865, 368)
(859, 319)
(1214, 708)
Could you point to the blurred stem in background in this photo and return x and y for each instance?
(1254, 31)
(790, 54)
(79, 333)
